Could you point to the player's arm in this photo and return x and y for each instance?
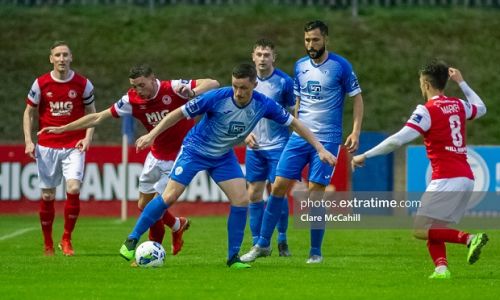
(201, 86)
(170, 120)
(352, 141)
(204, 85)
(84, 144)
(29, 112)
(404, 136)
(296, 109)
(469, 93)
(86, 121)
(304, 132)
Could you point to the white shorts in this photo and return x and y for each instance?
(446, 199)
(54, 163)
(155, 175)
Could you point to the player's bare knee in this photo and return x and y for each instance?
(420, 233)
(48, 196)
(73, 187)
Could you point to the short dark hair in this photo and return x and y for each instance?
(264, 43)
(436, 73)
(57, 44)
(140, 70)
(245, 70)
(316, 24)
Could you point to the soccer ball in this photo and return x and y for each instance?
(150, 254)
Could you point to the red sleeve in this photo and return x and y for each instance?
(417, 128)
(30, 103)
(474, 112)
(114, 113)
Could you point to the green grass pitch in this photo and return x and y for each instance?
(359, 264)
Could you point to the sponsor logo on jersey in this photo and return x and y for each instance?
(416, 118)
(236, 128)
(155, 117)
(72, 94)
(313, 88)
(227, 111)
(305, 71)
(166, 99)
(143, 107)
(60, 108)
(192, 106)
(49, 94)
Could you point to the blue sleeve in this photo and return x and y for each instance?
(296, 84)
(350, 80)
(288, 94)
(200, 104)
(277, 113)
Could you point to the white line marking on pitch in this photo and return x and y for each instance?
(16, 233)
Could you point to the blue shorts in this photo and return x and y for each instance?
(188, 164)
(261, 164)
(298, 153)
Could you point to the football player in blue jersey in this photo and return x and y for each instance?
(267, 141)
(229, 115)
(322, 80)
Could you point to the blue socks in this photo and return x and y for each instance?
(317, 231)
(283, 222)
(256, 212)
(236, 222)
(271, 217)
(151, 213)
(316, 241)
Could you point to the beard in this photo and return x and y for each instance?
(314, 54)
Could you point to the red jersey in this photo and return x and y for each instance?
(150, 112)
(442, 122)
(59, 103)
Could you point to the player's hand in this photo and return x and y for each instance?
(352, 142)
(83, 145)
(327, 157)
(51, 129)
(143, 142)
(455, 75)
(185, 91)
(358, 161)
(251, 141)
(30, 150)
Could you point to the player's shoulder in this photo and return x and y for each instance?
(301, 61)
(261, 99)
(44, 79)
(218, 94)
(339, 59)
(280, 73)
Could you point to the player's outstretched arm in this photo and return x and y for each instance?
(469, 93)
(405, 135)
(304, 132)
(202, 86)
(205, 85)
(84, 144)
(86, 121)
(167, 122)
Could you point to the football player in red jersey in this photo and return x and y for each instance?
(60, 97)
(149, 100)
(442, 122)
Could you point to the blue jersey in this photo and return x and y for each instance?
(322, 89)
(225, 124)
(279, 87)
